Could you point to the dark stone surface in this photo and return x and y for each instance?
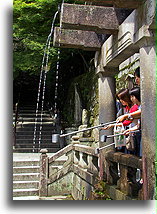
(92, 18)
(117, 3)
(86, 40)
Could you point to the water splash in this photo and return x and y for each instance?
(43, 75)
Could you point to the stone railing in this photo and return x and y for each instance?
(81, 161)
(122, 182)
(84, 168)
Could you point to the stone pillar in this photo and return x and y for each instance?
(107, 112)
(148, 118)
(107, 107)
(43, 188)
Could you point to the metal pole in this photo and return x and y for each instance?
(82, 130)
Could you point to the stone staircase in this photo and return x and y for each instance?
(25, 178)
(25, 131)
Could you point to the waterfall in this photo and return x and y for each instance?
(42, 82)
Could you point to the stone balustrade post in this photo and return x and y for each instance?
(92, 164)
(75, 139)
(83, 160)
(43, 188)
(70, 159)
(123, 183)
(112, 172)
(76, 157)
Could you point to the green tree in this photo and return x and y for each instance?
(32, 21)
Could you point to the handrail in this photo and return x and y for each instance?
(85, 149)
(124, 159)
(76, 147)
(125, 180)
(60, 153)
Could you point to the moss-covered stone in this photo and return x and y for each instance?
(87, 86)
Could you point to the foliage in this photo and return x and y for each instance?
(32, 21)
(100, 192)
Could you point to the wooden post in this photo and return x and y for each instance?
(43, 188)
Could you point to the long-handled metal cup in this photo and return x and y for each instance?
(104, 138)
(56, 137)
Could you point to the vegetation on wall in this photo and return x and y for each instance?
(100, 191)
(87, 85)
(125, 75)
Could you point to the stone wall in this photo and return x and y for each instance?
(62, 186)
(81, 189)
(87, 87)
(126, 72)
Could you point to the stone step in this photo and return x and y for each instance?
(28, 106)
(58, 197)
(29, 137)
(26, 169)
(25, 124)
(34, 115)
(31, 141)
(25, 184)
(33, 119)
(31, 128)
(31, 132)
(25, 192)
(26, 177)
(26, 198)
(35, 150)
(42, 145)
(25, 163)
(31, 111)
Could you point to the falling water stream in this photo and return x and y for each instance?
(42, 82)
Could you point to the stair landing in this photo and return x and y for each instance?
(56, 198)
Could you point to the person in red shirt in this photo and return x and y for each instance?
(124, 97)
(129, 107)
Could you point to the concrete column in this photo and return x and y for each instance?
(148, 116)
